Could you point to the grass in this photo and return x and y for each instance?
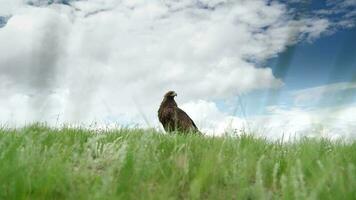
(37, 162)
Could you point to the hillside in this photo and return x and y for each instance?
(37, 162)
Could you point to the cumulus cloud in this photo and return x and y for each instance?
(211, 120)
(337, 122)
(9, 7)
(333, 122)
(323, 111)
(110, 61)
(332, 94)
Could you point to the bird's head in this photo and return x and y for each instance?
(170, 94)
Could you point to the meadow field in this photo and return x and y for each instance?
(37, 162)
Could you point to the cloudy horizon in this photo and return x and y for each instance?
(271, 67)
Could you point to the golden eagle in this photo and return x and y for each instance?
(174, 118)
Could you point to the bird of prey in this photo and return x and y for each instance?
(173, 118)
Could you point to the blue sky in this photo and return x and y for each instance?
(232, 63)
(328, 60)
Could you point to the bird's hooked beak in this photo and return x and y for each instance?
(174, 94)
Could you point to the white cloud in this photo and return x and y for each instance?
(315, 28)
(342, 3)
(335, 123)
(8, 7)
(289, 124)
(341, 12)
(344, 91)
(111, 61)
(210, 119)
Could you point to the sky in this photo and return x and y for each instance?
(271, 68)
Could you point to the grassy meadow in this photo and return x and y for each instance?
(37, 162)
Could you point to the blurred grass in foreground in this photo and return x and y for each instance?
(37, 162)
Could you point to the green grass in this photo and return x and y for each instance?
(37, 162)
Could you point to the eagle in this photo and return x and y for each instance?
(173, 118)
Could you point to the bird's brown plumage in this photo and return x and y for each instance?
(174, 118)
